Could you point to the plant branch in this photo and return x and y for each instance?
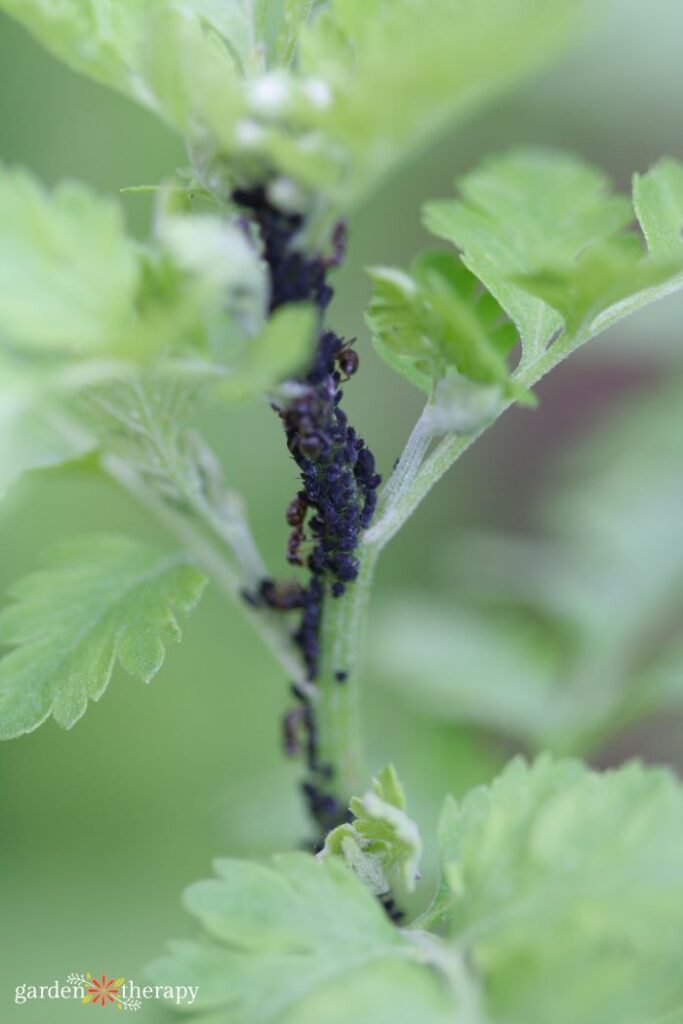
(212, 559)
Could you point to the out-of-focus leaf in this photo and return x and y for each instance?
(341, 97)
(276, 354)
(554, 872)
(102, 600)
(658, 199)
(397, 77)
(68, 273)
(319, 938)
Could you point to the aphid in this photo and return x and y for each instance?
(348, 359)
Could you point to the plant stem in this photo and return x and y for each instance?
(338, 699)
(345, 618)
(213, 560)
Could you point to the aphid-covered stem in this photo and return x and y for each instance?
(334, 504)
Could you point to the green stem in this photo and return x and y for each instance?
(215, 562)
(337, 700)
(345, 618)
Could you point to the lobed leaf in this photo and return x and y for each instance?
(102, 600)
(555, 873)
(542, 232)
(68, 273)
(315, 934)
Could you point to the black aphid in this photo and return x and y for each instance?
(338, 494)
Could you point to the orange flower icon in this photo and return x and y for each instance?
(103, 990)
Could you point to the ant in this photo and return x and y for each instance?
(347, 359)
(282, 597)
(292, 722)
(296, 514)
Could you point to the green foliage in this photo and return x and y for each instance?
(332, 99)
(102, 600)
(281, 349)
(382, 845)
(294, 942)
(397, 77)
(544, 235)
(437, 320)
(557, 879)
(551, 872)
(68, 273)
(658, 199)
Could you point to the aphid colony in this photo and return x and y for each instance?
(338, 494)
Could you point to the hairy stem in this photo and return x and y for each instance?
(217, 563)
(338, 684)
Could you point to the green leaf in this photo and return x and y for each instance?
(295, 15)
(105, 39)
(223, 275)
(96, 37)
(542, 232)
(397, 77)
(370, 84)
(658, 199)
(437, 320)
(279, 352)
(189, 71)
(520, 213)
(599, 281)
(68, 273)
(315, 934)
(102, 600)
(382, 845)
(556, 874)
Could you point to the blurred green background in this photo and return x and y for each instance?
(104, 826)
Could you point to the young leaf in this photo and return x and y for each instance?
(313, 932)
(68, 273)
(437, 321)
(554, 873)
(102, 600)
(382, 845)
